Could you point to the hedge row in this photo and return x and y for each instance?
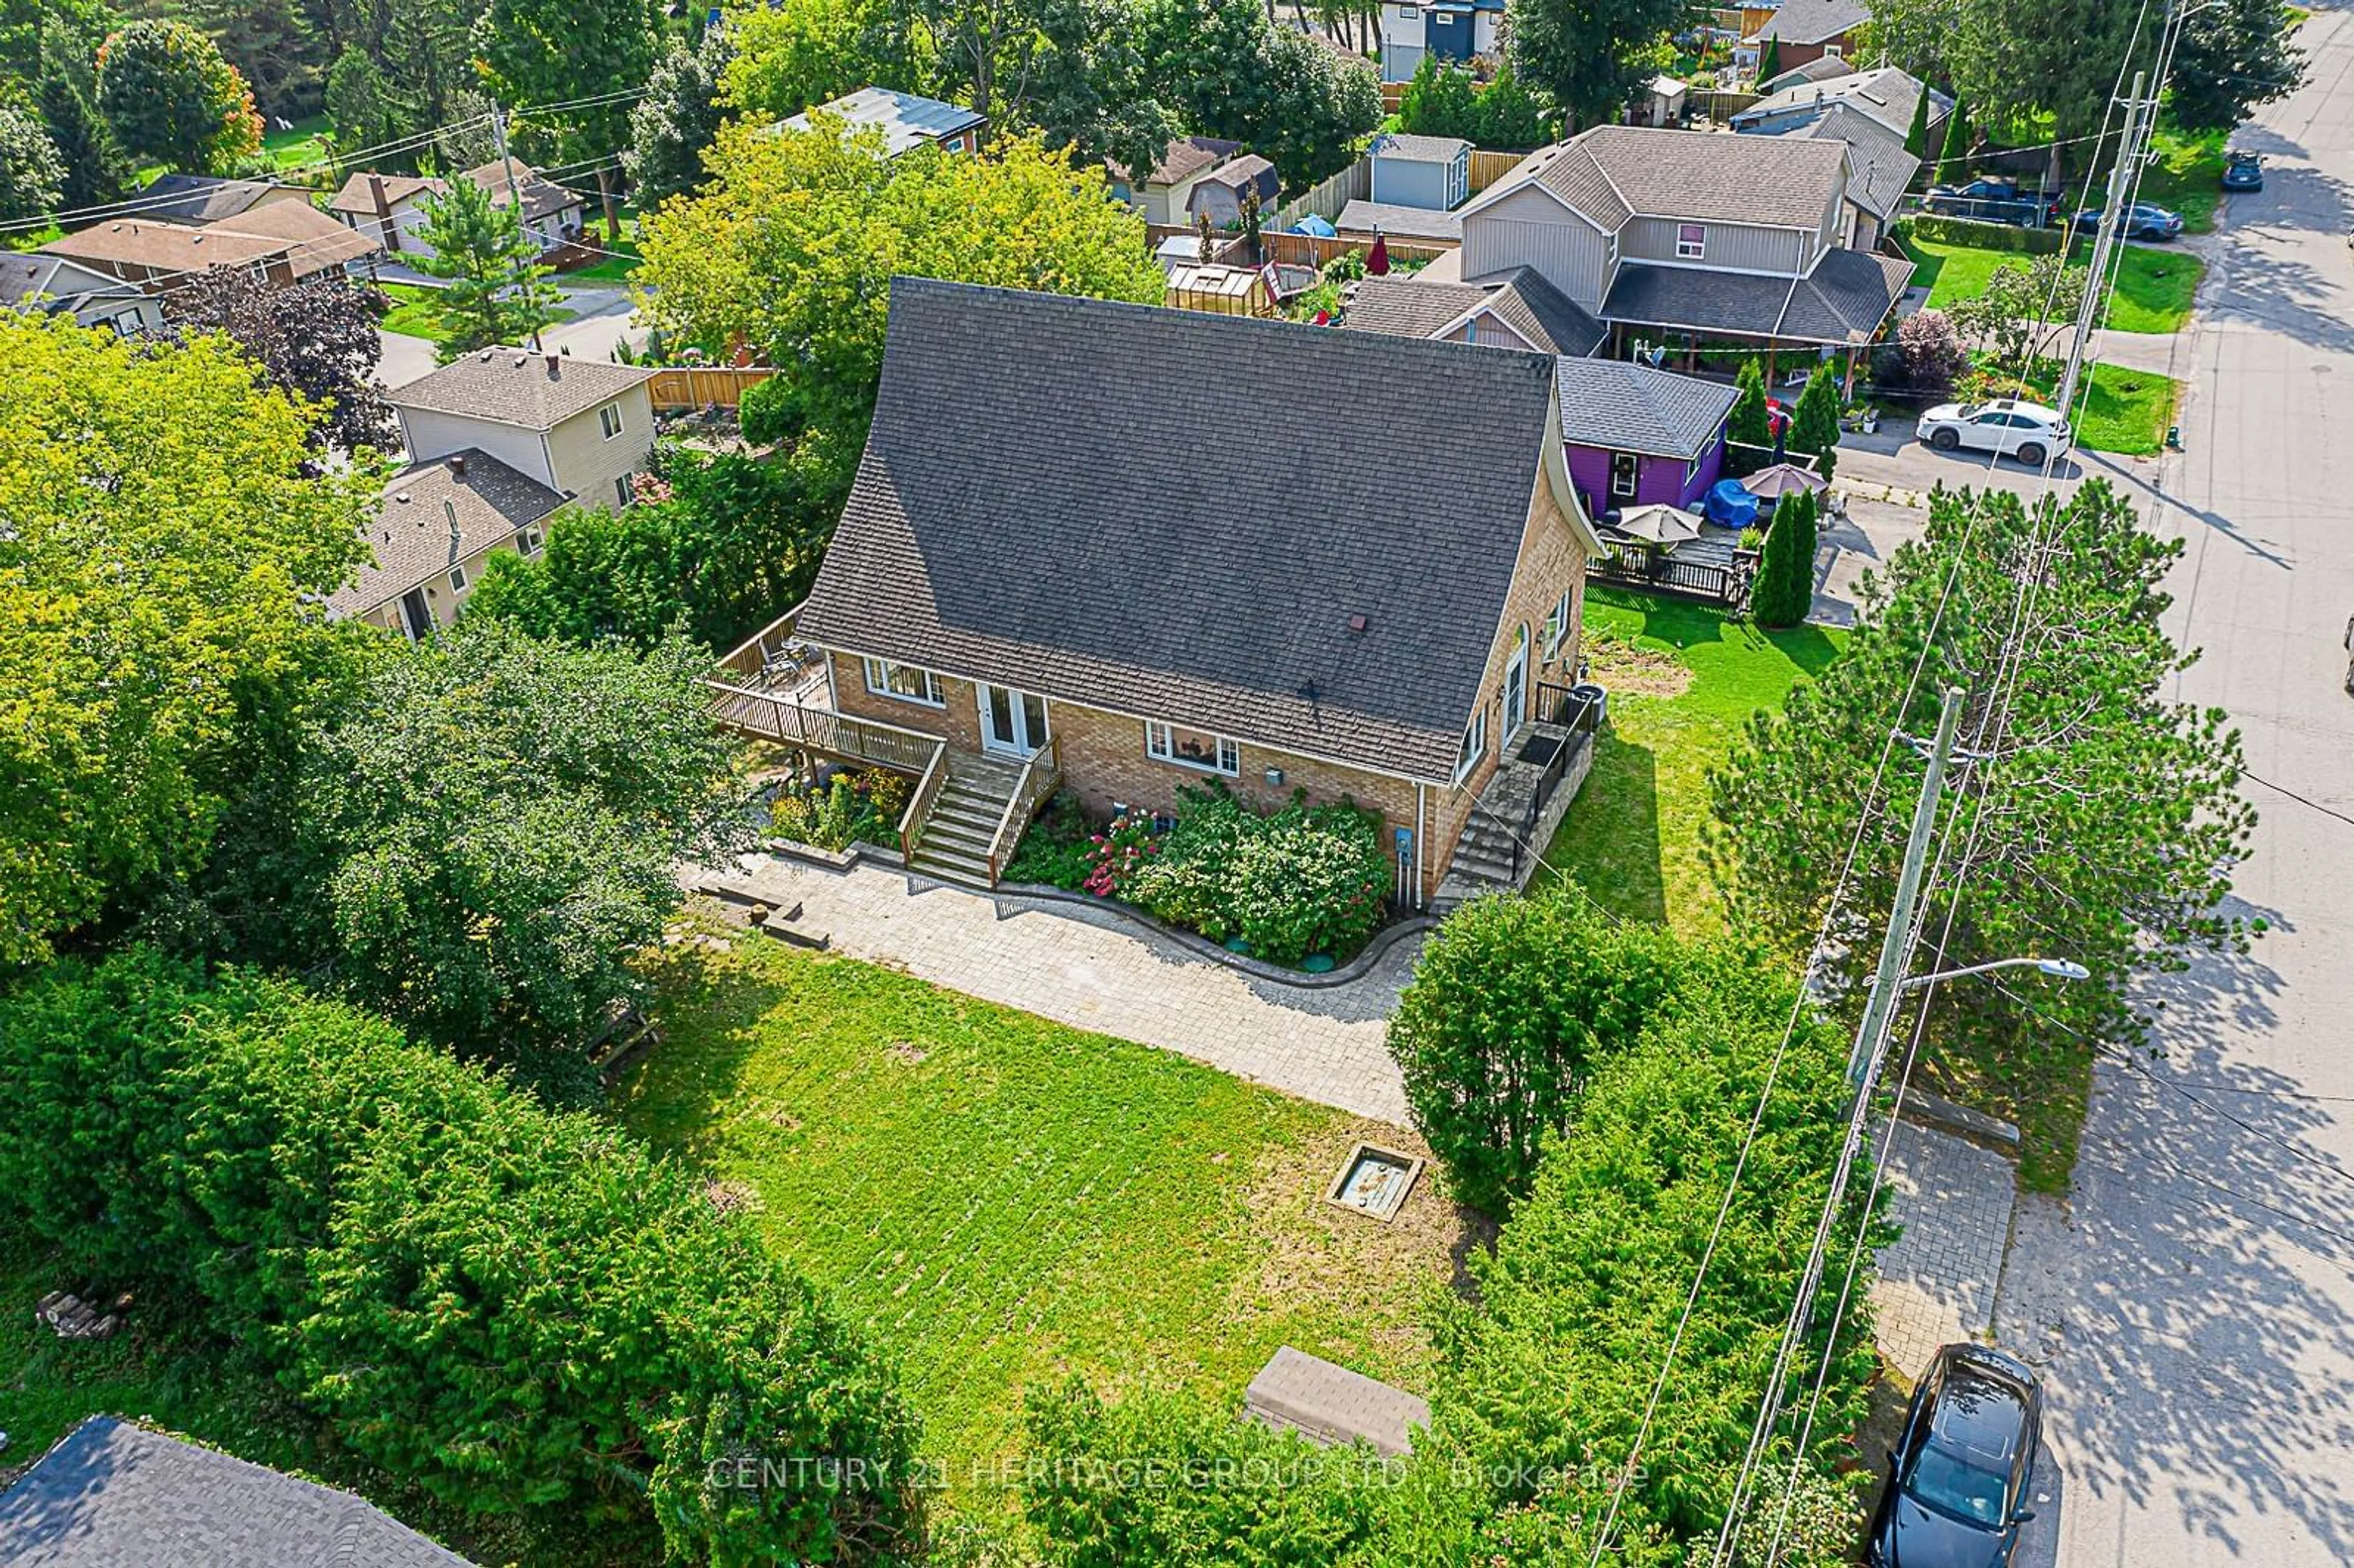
(522, 1312)
(1985, 236)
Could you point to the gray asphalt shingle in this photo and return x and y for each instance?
(1613, 172)
(516, 386)
(1071, 496)
(112, 1495)
(413, 539)
(1815, 21)
(1624, 407)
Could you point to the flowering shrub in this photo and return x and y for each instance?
(1121, 850)
(851, 807)
(1303, 879)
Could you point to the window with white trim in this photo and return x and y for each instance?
(907, 683)
(456, 579)
(609, 419)
(625, 490)
(1475, 744)
(1191, 748)
(1557, 621)
(527, 541)
(1691, 241)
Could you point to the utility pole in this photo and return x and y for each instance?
(515, 195)
(2140, 114)
(1888, 979)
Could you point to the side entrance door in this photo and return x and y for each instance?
(1516, 683)
(415, 617)
(1013, 723)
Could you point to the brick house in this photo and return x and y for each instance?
(1014, 583)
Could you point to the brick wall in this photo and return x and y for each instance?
(1105, 763)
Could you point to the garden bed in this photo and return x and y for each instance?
(832, 809)
(1304, 886)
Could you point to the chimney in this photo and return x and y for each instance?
(458, 465)
(551, 363)
(390, 230)
(450, 511)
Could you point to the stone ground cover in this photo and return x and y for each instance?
(1002, 1200)
(1683, 678)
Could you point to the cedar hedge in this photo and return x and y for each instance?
(1985, 236)
(521, 1311)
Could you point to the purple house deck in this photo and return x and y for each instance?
(1635, 435)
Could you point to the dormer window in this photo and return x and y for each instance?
(1692, 242)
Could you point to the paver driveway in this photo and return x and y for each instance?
(1094, 970)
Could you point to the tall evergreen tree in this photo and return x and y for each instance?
(1784, 589)
(1814, 423)
(1953, 157)
(1917, 137)
(1751, 422)
(95, 169)
(273, 46)
(1769, 60)
(362, 111)
(498, 292)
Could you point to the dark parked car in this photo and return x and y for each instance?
(1958, 1474)
(2244, 172)
(2139, 221)
(1993, 200)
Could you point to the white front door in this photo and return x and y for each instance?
(1013, 723)
(1516, 683)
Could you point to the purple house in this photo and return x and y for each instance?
(1636, 435)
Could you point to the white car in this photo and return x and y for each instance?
(2006, 427)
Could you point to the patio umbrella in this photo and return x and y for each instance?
(1659, 524)
(1377, 262)
(1780, 479)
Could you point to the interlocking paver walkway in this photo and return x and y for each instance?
(1937, 1281)
(1093, 971)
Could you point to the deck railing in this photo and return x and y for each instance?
(1041, 776)
(845, 735)
(1721, 583)
(919, 814)
(752, 655)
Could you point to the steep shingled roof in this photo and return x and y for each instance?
(1613, 172)
(432, 516)
(1022, 543)
(112, 1495)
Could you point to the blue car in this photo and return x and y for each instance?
(2139, 221)
(2244, 172)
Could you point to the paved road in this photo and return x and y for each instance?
(2194, 1307)
(602, 319)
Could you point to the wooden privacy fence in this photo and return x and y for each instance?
(1487, 167)
(1326, 197)
(702, 385)
(1311, 251)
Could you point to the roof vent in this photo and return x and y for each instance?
(1357, 624)
(486, 355)
(402, 498)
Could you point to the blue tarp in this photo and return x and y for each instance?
(1730, 506)
(1317, 226)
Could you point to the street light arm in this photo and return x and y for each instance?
(2059, 968)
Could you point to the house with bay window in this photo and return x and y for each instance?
(1011, 603)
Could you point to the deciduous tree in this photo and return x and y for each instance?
(792, 246)
(498, 291)
(2230, 57)
(2112, 821)
(168, 95)
(797, 54)
(318, 340)
(677, 118)
(149, 610)
(363, 110)
(32, 175)
(497, 824)
(583, 55)
(1226, 72)
(2023, 311)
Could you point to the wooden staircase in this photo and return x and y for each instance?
(963, 821)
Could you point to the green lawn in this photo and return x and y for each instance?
(1683, 679)
(305, 143)
(2124, 411)
(2186, 175)
(1001, 1200)
(417, 311)
(607, 269)
(2153, 291)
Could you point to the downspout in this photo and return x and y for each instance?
(1420, 839)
